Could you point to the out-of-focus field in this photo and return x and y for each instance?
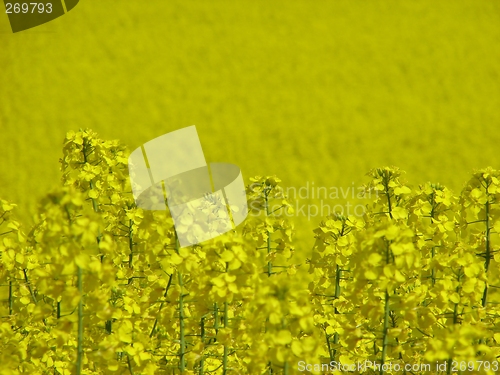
(312, 91)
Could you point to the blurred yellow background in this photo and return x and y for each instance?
(312, 91)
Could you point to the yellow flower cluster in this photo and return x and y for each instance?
(99, 286)
(414, 281)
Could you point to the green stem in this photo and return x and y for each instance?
(385, 328)
(338, 276)
(455, 321)
(433, 271)
(488, 256)
(226, 349)
(329, 346)
(131, 243)
(94, 203)
(202, 337)
(129, 364)
(11, 298)
(182, 349)
(79, 358)
(216, 318)
(385, 336)
(455, 308)
(91, 185)
(433, 250)
(32, 293)
(269, 263)
(386, 180)
(109, 323)
(161, 305)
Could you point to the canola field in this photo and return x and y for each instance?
(315, 93)
(101, 285)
